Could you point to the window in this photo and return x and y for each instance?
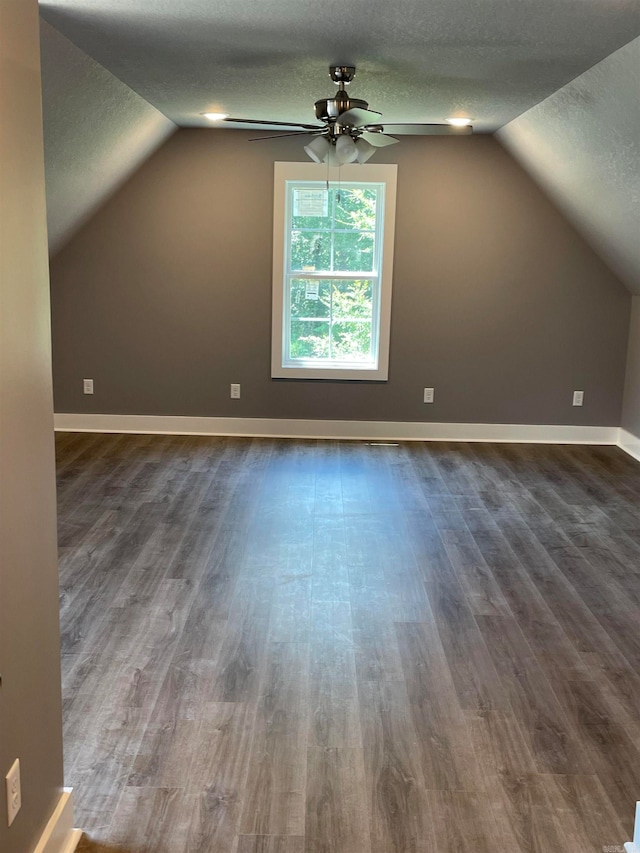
(333, 260)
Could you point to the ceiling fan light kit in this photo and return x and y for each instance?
(318, 148)
(350, 132)
(364, 151)
(346, 151)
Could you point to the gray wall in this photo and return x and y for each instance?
(163, 298)
(631, 408)
(583, 146)
(30, 705)
(97, 132)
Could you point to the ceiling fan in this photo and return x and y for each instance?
(350, 132)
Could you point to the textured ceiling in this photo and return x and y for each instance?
(588, 160)
(417, 61)
(96, 133)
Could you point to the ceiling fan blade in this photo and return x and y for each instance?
(378, 140)
(429, 129)
(357, 117)
(293, 133)
(275, 121)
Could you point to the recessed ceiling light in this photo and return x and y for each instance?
(215, 116)
(459, 122)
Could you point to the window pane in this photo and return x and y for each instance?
(355, 208)
(311, 208)
(351, 330)
(310, 298)
(309, 339)
(331, 319)
(351, 326)
(352, 300)
(310, 250)
(353, 252)
(351, 341)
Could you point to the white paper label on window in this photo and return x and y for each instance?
(310, 203)
(311, 290)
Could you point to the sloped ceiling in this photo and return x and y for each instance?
(421, 63)
(417, 60)
(582, 145)
(97, 131)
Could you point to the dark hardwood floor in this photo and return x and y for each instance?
(324, 647)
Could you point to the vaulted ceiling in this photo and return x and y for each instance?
(557, 78)
(582, 146)
(416, 61)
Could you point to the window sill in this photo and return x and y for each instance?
(360, 374)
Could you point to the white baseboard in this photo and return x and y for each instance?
(355, 430)
(59, 836)
(629, 443)
(634, 846)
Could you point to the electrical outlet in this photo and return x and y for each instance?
(235, 391)
(87, 386)
(428, 395)
(14, 796)
(578, 398)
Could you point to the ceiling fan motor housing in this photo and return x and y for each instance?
(330, 109)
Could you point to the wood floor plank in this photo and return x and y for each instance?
(165, 755)
(333, 697)
(271, 844)
(549, 732)
(464, 822)
(444, 743)
(337, 818)
(334, 720)
(524, 820)
(474, 677)
(291, 608)
(330, 576)
(274, 801)
(396, 792)
(583, 802)
(481, 589)
(152, 820)
(615, 757)
(218, 775)
(376, 651)
(569, 627)
(242, 652)
(617, 681)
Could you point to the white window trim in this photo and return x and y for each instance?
(375, 173)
